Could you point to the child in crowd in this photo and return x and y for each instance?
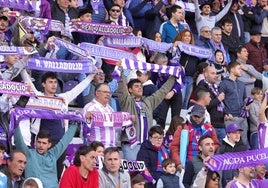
(220, 65)
(137, 180)
(175, 122)
(32, 183)
(169, 179)
(231, 143)
(254, 110)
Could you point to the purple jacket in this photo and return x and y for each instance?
(45, 11)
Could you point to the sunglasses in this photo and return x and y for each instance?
(115, 10)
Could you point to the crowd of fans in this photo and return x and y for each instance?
(225, 95)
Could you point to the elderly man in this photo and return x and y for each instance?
(15, 167)
(110, 176)
(215, 43)
(83, 173)
(106, 134)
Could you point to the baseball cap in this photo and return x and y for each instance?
(198, 110)
(233, 127)
(255, 32)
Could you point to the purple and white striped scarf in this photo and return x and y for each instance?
(176, 71)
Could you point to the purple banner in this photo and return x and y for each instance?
(18, 114)
(17, 4)
(71, 47)
(114, 119)
(13, 50)
(229, 161)
(69, 66)
(195, 50)
(15, 88)
(106, 52)
(98, 28)
(42, 24)
(156, 46)
(123, 41)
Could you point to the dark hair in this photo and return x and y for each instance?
(256, 90)
(44, 134)
(203, 138)
(115, 5)
(167, 162)
(82, 150)
(156, 129)
(219, 51)
(176, 121)
(135, 31)
(47, 75)
(99, 85)
(2, 147)
(132, 82)
(225, 21)
(111, 150)
(13, 152)
(96, 144)
(232, 65)
(210, 176)
(240, 48)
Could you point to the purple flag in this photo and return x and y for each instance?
(229, 161)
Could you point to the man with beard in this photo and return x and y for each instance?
(207, 149)
(245, 178)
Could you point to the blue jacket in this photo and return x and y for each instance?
(235, 93)
(148, 154)
(44, 166)
(169, 32)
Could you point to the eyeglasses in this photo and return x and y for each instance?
(100, 73)
(157, 138)
(106, 92)
(206, 31)
(215, 178)
(115, 10)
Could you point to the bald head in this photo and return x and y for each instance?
(210, 74)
